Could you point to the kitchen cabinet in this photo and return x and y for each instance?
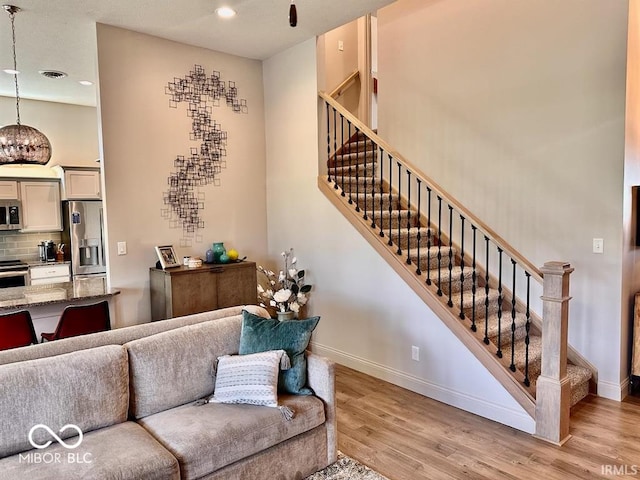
(80, 183)
(182, 290)
(8, 190)
(41, 209)
(51, 273)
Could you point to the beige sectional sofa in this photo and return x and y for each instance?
(132, 394)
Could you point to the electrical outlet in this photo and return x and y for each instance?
(598, 245)
(122, 248)
(415, 353)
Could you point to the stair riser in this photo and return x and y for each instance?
(355, 188)
(373, 203)
(395, 222)
(405, 240)
(352, 159)
(365, 170)
(360, 146)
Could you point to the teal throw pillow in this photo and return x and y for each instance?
(263, 334)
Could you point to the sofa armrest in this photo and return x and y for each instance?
(321, 379)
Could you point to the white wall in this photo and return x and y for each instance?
(370, 318)
(141, 136)
(517, 109)
(631, 259)
(72, 130)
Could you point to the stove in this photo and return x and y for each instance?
(13, 273)
(17, 265)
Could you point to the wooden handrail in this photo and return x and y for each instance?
(345, 84)
(535, 272)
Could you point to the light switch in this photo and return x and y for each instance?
(598, 245)
(122, 248)
(340, 45)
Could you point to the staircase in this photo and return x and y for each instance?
(476, 279)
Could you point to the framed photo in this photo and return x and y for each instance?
(167, 256)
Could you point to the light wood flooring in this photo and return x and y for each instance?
(406, 436)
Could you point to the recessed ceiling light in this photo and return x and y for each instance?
(11, 71)
(85, 82)
(226, 12)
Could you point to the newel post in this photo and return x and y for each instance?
(553, 389)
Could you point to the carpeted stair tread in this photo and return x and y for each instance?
(520, 354)
(411, 235)
(394, 218)
(505, 325)
(352, 158)
(362, 170)
(429, 257)
(373, 201)
(579, 378)
(468, 301)
(455, 274)
(359, 146)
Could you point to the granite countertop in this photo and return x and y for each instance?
(67, 292)
(40, 263)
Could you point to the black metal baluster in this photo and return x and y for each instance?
(450, 267)
(418, 236)
(399, 251)
(374, 149)
(527, 382)
(428, 235)
(486, 293)
(329, 144)
(499, 352)
(473, 281)
(358, 170)
(461, 267)
(439, 292)
(350, 177)
(365, 216)
(513, 317)
(390, 242)
(335, 134)
(408, 217)
(335, 163)
(381, 192)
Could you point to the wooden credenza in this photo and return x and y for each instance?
(182, 291)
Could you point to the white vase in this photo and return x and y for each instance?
(288, 315)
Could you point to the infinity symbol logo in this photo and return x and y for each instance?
(53, 434)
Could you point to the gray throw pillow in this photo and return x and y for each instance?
(262, 334)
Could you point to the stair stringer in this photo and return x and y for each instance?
(497, 367)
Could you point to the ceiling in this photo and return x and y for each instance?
(60, 34)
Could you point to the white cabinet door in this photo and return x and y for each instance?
(43, 273)
(8, 190)
(81, 185)
(41, 209)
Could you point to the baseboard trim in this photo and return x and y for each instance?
(613, 391)
(498, 413)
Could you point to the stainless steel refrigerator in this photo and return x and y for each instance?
(83, 237)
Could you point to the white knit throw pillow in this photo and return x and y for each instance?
(251, 379)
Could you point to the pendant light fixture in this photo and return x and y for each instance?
(293, 14)
(21, 144)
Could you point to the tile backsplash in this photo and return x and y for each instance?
(24, 246)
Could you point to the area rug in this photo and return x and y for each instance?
(346, 468)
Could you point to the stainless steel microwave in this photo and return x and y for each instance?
(10, 215)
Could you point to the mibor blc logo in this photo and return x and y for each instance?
(56, 457)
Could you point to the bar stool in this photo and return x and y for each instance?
(81, 320)
(16, 330)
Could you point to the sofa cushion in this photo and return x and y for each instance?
(262, 334)
(124, 451)
(251, 379)
(89, 389)
(208, 437)
(176, 367)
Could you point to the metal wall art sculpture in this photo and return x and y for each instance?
(184, 200)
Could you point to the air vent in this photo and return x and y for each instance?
(52, 74)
